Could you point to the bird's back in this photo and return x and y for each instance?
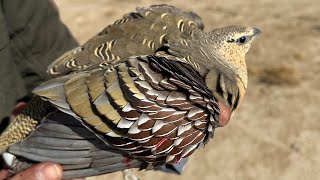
(138, 33)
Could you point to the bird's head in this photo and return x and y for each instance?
(232, 43)
(234, 39)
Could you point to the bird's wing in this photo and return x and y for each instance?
(137, 33)
(153, 108)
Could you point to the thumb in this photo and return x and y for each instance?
(42, 171)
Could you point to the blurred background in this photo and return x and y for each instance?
(275, 133)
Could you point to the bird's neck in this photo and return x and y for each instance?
(236, 62)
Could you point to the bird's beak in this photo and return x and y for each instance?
(256, 31)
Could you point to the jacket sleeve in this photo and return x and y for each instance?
(31, 37)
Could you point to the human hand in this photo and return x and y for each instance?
(42, 171)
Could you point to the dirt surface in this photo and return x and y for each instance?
(275, 133)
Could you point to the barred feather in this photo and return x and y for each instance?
(146, 115)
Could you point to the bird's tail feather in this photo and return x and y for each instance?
(24, 123)
(62, 139)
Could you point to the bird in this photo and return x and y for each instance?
(146, 91)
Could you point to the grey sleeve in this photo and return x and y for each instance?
(32, 36)
(176, 168)
(11, 83)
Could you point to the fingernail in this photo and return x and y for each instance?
(50, 171)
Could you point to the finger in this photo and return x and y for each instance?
(3, 174)
(42, 171)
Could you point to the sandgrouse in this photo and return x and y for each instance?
(148, 90)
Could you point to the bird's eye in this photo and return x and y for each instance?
(243, 40)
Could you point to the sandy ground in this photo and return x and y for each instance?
(275, 133)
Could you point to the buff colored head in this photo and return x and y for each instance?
(234, 38)
(232, 43)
